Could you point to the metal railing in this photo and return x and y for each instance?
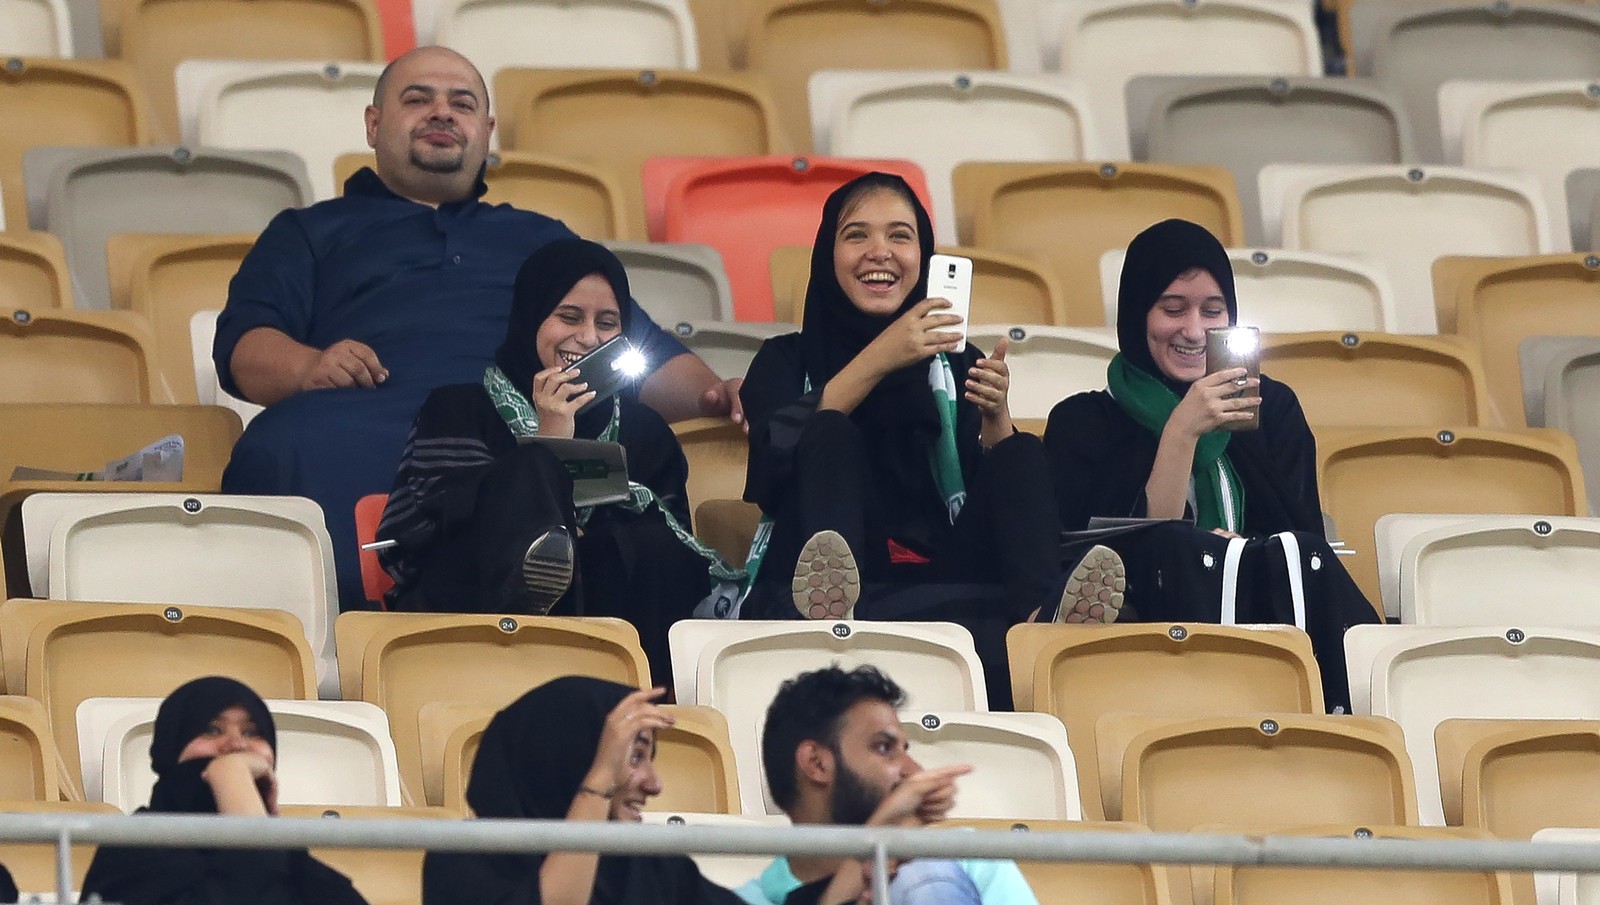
(880, 845)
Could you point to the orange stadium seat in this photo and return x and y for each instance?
(55, 355)
(1406, 380)
(33, 270)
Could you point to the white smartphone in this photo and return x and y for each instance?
(950, 278)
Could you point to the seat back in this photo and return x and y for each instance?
(65, 102)
(202, 336)
(643, 34)
(375, 582)
(1023, 766)
(405, 662)
(1082, 881)
(694, 758)
(33, 270)
(726, 347)
(1065, 216)
(1464, 573)
(1365, 473)
(167, 279)
(83, 437)
(1567, 391)
(615, 120)
(94, 195)
(746, 207)
(33, 864)
(1048, 364)
(727, 871)
(1003, 116)
(1514, 777)
(55, 355)
(1493, 123)
(717, 450)
(727, 526)
(1247, 123)
(63, 652)
(1422, 675)
(383, 876)
(1078, 676)
(36, 28)
(1409, 380)
(677, 282)
(29, 762)
(791, 39)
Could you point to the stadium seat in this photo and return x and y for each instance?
(1080, 675)
(587, 199)
(727, 526)
(451, 770)
(736, 667)
(1246, 123)
(1514, 777)
(1108, 42)
(29, 763)
(33, 864)
(497, 34)
(1176, 773)
(694, 758)
(407, 662)
(717, 449)
(1583, 196)
(1498, 303)
(35, 28)
(939, 118)
(615, 120)
(313, 109)
(746, 207)
(729, 871)
(33, 271)
(726, 347)
(157, 35)
(677, 282)
(1392, 531)
(1047, 364)
(1406, 381)
(1282, 291)
(1414, 48)
(1368, 472)
(1566, 397)
(62, 652)
(91, 195)
(202, 334)
(218, 550)
(791, 39)
(1479, 570)
(329, 752)
(1024, 767)
(1544, 127)
(64, 102)
(166, 279)
(382, 876)
(1082, 881)
(1422, 675)
(1406, 217)
(62, 356)
(1065, 215)
(1260, 884)
(375, 582)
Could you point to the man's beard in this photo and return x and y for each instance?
(440, 167)
(852, 801)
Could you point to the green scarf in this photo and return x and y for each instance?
(1217, 491)
(523, 421)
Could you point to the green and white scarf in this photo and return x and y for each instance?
(520, 416)
(1218, 495)
(943, 458)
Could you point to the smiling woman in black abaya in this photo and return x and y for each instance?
(575, 748)
(214, 752)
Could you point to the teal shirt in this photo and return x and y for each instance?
(998, 882)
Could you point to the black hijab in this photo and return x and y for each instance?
(548, 274)
(1155, 258)
(533, 756)
(182, 718)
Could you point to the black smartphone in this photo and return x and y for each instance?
(609, 368)
(1236, 347)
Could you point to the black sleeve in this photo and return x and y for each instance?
(1098, 469)
(776, 407)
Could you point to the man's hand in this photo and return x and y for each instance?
(346, 363)
(920, 799)
(721, 400)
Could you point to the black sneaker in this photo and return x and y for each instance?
(547, 570)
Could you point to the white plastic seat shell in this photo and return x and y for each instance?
(1025, 769)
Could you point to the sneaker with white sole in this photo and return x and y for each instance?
(1095, 588)
(547, 570)
(827, 583)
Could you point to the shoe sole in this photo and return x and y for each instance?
(827, 582)
(547, 570)
(1095, 589)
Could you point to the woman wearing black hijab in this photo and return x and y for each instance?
(575, 748)
(869, 463)
(1153, 445)
(214, 751)
(485, 524)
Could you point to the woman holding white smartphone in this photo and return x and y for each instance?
(881, 447)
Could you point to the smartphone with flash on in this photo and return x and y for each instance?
(1236, 347)
(950, 278)
(611, 366)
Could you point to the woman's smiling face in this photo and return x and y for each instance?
(1176, 326)
(877, 256)
(588, 316)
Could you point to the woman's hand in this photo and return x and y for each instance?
(613, 759)
(915, 336)
(989, 388)
(243, 782)
(1207, 406)
(557, 398)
